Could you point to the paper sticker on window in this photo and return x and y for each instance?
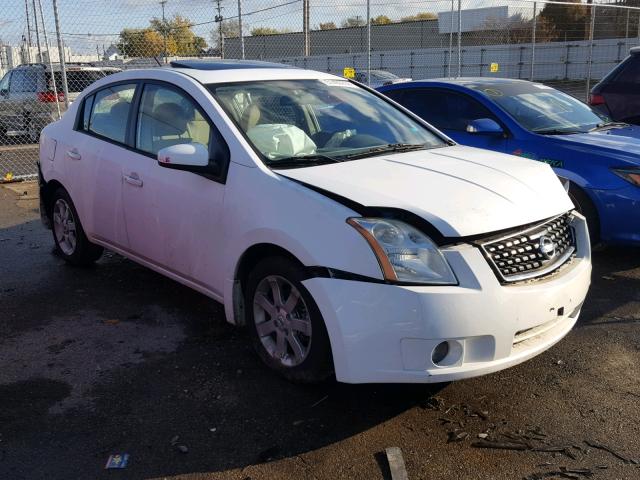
(494, 67)
(349, 72)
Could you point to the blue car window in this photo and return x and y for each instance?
(444, 109)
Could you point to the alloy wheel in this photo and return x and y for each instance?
(64, 227)
(282, 319)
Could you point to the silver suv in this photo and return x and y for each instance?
(29, 101)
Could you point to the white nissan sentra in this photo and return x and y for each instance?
(345, 233)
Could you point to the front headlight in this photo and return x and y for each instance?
(405, 254)
(631, 174)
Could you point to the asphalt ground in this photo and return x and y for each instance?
(118, 359)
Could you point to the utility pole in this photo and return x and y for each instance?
(368, 41)
(240, 27)
(305, 26)
(219, 19)
(164, 29)
(26, 9)
(63, 68)
(53, 75)
(35, 22)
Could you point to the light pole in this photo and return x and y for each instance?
(219, 19)
(240, 28)
(35, 22)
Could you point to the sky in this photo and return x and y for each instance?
(87, 24)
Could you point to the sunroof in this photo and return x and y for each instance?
(225, 64)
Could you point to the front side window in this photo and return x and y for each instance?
(4, 83)
(24, 81)
(168, 117)
(110, 112)
(542, 109)
(319, 120)
(443, 109)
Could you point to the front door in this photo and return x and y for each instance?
(172, 216)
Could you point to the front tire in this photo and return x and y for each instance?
(284, 322)
(71, 242)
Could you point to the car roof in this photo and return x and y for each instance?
(226, 64)
(465, 81)
(634, 50)
(225, 71)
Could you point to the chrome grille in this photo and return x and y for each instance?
(532, 252)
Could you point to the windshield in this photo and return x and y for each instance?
(542, 109)
(319, 120)
(383, 75)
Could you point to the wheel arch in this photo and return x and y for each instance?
(46, 193)
(250, 257)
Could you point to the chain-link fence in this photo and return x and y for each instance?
(50, 50)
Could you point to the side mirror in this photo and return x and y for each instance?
(485, 126)
(192, 157)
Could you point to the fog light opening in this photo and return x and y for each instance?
(440, 353)
(447, 353)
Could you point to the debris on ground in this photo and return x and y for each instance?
(396, 464)
(319, 401)
(182, 449)
(600, 446)
(456, 436)
(433, 403)
(117, 460)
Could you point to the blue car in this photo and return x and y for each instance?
(600, 158)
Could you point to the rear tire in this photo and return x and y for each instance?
(585, 206)
(285, 325)
(71, 242)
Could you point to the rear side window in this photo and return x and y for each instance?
(77, 80)
(110, 112)
(630, 72)
(444, 110)
(24, 81)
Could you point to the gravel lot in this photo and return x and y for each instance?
(117, 359)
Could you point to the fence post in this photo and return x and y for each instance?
(46, 42)
(368, 42)
(591, 29)
(533, 37)
(240, 28)
(626, 27)
(63, 67)
(450, 42)
(459, 38)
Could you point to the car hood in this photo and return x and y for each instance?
(461, 191)
(619, 143)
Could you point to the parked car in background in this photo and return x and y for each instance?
(379, 78)
(345, 233)
(617, 95)
(28, 99)
(600, 158)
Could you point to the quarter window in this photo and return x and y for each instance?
(168, 117)
(110, 112)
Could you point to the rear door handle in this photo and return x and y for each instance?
(133, 179)
(73, 154)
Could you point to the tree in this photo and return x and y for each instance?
(178, 29)
(142, 42)
(327, 26)
(356, 21)
(569, 21)
(230, 29)
(420, 16)
(257, 31)
(381, 20)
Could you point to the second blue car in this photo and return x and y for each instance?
(601, 159)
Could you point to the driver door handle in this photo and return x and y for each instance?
(133, 179)
(73, 154)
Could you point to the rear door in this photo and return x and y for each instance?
(450, 112)
(95, 155)
(622, 92)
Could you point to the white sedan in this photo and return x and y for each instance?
(345, 233)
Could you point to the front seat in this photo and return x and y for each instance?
(250, 117)
(170, 122)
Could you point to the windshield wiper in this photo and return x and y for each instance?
(608, 125)
(556, 131)
(303, 161)
(390, 147)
